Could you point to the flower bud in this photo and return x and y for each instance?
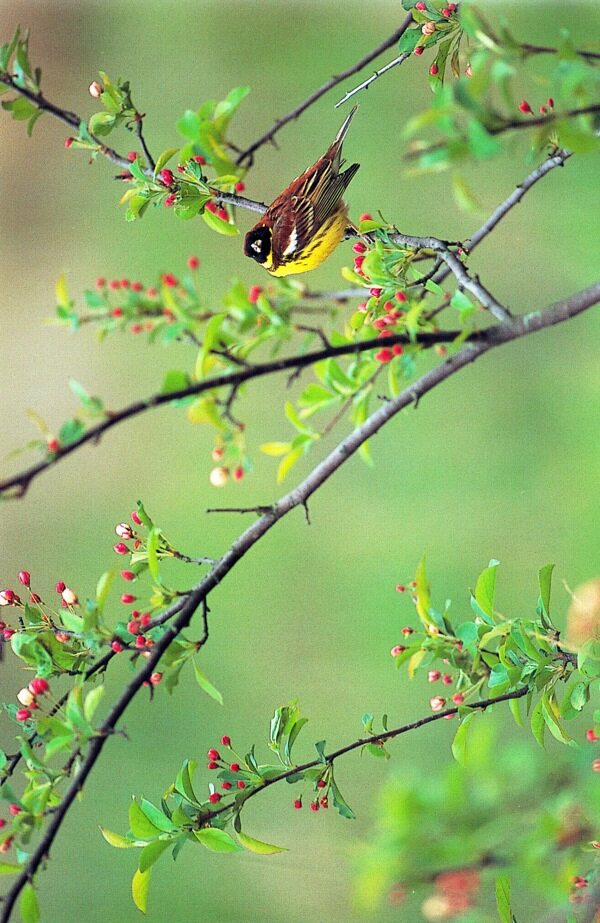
(95, 89)
(428, 28)
(24, 578)
(25, 697)
(437, 703)
(124, 530)
(69, 597)
(219, 476)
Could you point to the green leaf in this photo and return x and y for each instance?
(174, 380)
(206, 684)
(152, 545)
(92, 700)
(274, 448)
(503, 899)
(140, 885)
(545, 581)
(459, 744)
(102, 123)
(339, 803)
(163, 159)
(257, 846)
(139, 824)
(485, 589)
(157, 817)
(409, 41)
(103, 586)
(151, 853)
(217, 224)
(10, 868)
(29, 907)
(183, 782)
(217, 840)
(288, 462)
(118, 841)
(538, 724)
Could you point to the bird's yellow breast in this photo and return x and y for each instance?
(316, 251)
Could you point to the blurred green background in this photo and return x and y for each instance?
(502, 461)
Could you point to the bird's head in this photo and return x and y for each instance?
(257, 245)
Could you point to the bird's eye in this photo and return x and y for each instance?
(257, 244)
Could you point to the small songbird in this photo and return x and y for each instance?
(304, 224)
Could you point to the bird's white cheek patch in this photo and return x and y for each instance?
(291, 247)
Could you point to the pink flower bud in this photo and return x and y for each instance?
(116, 647)
(25, 697)
(120, 548)
(384, 355)
(25, 578)
(166, 177)
(23, 714)
(397, 650)
(433, 676)
(134, 516)
(253, 293)
(428, 28)
(437, 703)
(95, 89)
(124, 530)
(69, 597)
(458, 698)
(61, 636)
(419, 50)
(525, 107)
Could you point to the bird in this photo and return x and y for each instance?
(307, 221)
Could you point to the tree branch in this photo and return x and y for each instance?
(557, 159)
(330, 758)
(19, 483)
(298, 496)
(248, 154)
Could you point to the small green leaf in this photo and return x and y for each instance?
(218, 225)
(103, 586)
(275, 448)
(217, 840)
(163, 159)
(10, 868)
(545, 581)
(459, 744)
(485, 589)
(152, 545)
(29, 907)
(206, 684)
(257, 846)
(118, 841)
(92, 700)
(140, 884)
(139, 824)
(151, 853)
(503, 899)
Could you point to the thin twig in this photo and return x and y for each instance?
(375, 76)
(503, 125)
(298, 496)
(139, 130)
(248, 154)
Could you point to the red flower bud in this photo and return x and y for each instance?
(60, 586)
(298, 804)
(434, 70)
(226, 786)
(253, 293)
(193, 262)
(241, 784)
(23, 714)
(121, 548)
(116, 647)
(166, 177)
(419, 50)
(365, 217)
(212, 765)
(214, 798)
(155, 678)
(133, 627)
(384, 355)
(397, 650)
(61, 636)
(170, 281)
(14, 809)
(127, 575)
(170, 200)
(68, 142)
(433, 676)
(239, 187)
(525, 107)
(199, 159)
(235, 767)
(225, 740)
(213, 754)
(437, 703)
(134, 516)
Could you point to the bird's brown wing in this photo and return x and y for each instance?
(299, 216)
